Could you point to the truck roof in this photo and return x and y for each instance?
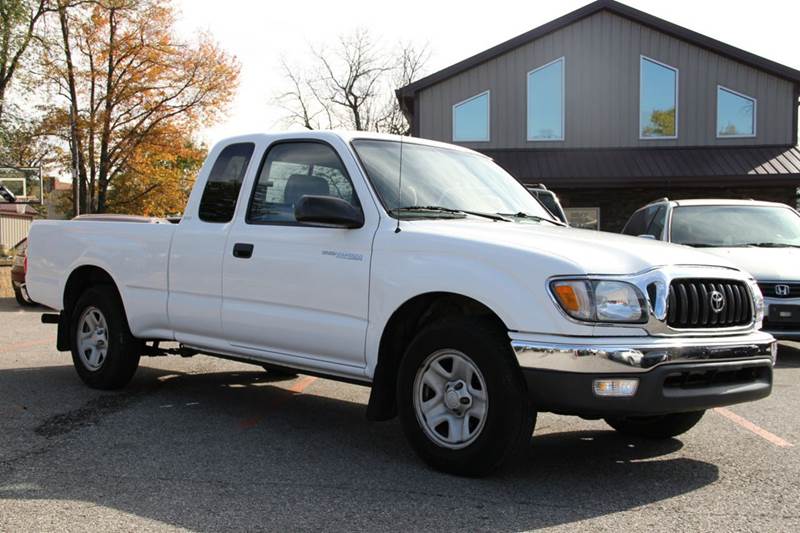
(344, 135)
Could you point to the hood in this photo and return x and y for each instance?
(767, 264)
(591, 252)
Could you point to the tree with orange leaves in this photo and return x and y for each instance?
(132, 96)
(159, 176)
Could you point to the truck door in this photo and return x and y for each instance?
(296, 292)
(195, 267)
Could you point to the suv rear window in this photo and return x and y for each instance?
(224, 181)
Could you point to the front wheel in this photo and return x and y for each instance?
(656, 427)
(104, 352)
(461, 398)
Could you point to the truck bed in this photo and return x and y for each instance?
(137, 255)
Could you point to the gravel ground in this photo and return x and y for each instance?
(207, 444)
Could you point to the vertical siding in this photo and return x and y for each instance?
(13, 229)
(602, 90)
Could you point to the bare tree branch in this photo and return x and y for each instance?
(351, 85)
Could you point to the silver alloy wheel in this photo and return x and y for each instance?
(92, 338)
(450, 399)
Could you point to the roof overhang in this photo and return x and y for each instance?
(644, 167)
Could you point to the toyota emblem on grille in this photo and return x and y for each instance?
(717, 300)
(781, 290)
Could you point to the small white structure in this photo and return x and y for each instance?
(15, 222)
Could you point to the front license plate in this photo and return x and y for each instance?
(784, 313)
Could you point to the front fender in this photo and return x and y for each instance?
(512, 285)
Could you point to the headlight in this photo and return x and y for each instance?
(600, 301)
(758, 302)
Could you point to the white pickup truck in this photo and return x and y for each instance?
(422, 270)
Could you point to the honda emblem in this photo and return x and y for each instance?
(782, 290)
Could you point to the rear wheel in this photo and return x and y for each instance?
(656, 427)
(461, 398)
(104, 352)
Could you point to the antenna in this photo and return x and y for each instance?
(400, 184)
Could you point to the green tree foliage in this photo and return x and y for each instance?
(18, 21)
(662, 123)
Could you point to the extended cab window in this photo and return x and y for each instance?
(292, 170)
(224, 181)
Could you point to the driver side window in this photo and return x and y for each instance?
(292, 170)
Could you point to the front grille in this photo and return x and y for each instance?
(695, 303)
(778, 289)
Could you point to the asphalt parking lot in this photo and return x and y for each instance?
(206, 444)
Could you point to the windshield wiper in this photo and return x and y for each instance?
(741, 245)
(440, 209)
(771, 245)
(535, 218)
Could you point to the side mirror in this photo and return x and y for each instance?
(328, 211)
(646, 236)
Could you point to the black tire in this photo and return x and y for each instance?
(121, 358)
(510, 419)
(21, 299)
(279, 372)
(656, 427)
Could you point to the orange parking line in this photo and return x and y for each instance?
(303, 384)
(297, 388)
(20, 345)
(746, 424)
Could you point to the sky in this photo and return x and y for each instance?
(260, 32)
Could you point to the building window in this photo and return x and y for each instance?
(658, 100)
(546, 102)
(583, 217)
(736, 114)
(471, 119)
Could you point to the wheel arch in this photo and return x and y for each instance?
(403, 324)
(79, 280)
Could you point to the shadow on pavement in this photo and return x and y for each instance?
(10, 304)
(788, 356)
(222, 450)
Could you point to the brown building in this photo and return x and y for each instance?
(612, 108)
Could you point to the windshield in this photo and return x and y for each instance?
(735, 225)
(444, 179)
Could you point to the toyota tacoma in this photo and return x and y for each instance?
(420, 269)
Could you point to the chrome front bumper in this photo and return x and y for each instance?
(636, 354)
